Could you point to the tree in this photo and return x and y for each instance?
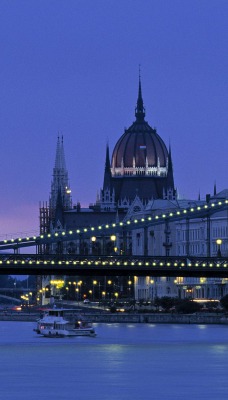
(224, 302)
(30, 282)
(188, 307)
(166, 302)
(4, 280)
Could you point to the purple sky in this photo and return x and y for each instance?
(72, 67)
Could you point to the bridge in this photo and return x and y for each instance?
(204, 211)
(73, 265)
(90, 265)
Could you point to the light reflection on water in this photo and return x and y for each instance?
(125, 361)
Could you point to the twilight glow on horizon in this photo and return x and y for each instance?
(71, 68)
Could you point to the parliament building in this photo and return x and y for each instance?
(138, 181)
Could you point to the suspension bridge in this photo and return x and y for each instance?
(37, 264)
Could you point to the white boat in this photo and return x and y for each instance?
(61, 323)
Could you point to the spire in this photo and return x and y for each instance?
(170, 180)
(170, 163)
(60, 157)
(140, 110)
(107, 172)
(215, 189)
(60, 179)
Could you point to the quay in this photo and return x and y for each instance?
(151, 318)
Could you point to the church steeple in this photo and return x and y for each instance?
(60, 182)
(140, 110)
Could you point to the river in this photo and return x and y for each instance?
(124, 362)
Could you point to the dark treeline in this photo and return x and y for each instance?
(7, 281)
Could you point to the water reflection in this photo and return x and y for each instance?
(220, 349)
(124, 362)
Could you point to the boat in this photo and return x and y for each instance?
(59, 322)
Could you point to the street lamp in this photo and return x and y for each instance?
(77, 291)
(129, 288)
(109, 290)
(94, 283)
(113, 239)
(93, 245)
(219, 243)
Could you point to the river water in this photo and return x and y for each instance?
(124, 361)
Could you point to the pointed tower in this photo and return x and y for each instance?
(140, 110)
(170, 179)
(170, 193)
(107, 173)
(107, 193)
(60, 182)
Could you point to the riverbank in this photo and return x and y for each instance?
(155, 318)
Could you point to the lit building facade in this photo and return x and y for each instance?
(138, 181)
(188, 237)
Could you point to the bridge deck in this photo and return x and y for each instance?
(19, 264)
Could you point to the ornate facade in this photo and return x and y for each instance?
(138, 180)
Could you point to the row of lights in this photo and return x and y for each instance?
(125, 263)
(94, 283)
(114, 225)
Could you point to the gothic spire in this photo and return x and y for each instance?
(170, 180)
(60, 179)
(140, 110)
(107, 172)
(60, 156)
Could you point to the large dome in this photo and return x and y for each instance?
(140, 147)
(141, 165)
(140, 143)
